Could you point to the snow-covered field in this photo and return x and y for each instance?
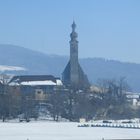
(11, 68)
(62, 131)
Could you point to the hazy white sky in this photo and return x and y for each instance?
(106, 28)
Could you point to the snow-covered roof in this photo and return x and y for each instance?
(35, 80)
(59, 82)
(35, 83)
(133, 96)
(11, 68)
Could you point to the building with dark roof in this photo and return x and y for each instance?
(38, 85)
(35, 80)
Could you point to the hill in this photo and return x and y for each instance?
(96, 68)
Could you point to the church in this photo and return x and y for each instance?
(73, 76)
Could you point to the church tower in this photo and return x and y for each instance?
(73, 75)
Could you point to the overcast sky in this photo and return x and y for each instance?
(106, 28)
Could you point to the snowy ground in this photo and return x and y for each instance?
(11, 68)
(62, 131)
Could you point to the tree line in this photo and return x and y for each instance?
(108, 102)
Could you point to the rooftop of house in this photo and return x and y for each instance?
(33, 80)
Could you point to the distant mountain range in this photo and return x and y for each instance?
(96, 68)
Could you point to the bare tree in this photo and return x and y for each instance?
(4, 103)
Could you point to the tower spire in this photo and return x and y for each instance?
(73, 26)
(73, 35)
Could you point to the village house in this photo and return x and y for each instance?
(133, 98)
(37, 85)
